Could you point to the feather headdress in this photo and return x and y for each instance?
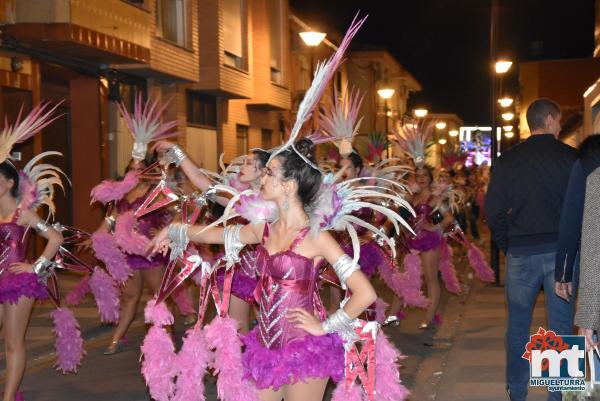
(340, 122)
(145, 125)
(375, 146)
(40, 117)
(37, 182)
(413, 139)
(323, 74)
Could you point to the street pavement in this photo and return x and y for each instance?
(463, 359)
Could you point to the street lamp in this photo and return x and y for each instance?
(502, 66)
(508, 128)
(453, 133)
(508, 116)
(509, 134)
(441, 125)
(505, 101)
(442, 141)
(385, 94)
(312, 38)
(420, 113)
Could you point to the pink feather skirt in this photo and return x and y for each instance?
(14, 286)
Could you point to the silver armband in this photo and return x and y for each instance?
(41, 227)
(341, 324)
(344, 267)
(175, 155)
(233, 244)
(110, 220)
(178, 234)
(42, 268)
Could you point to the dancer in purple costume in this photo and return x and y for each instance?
(292, 353)
(20, 286)
(429, 227)
(245, 276)
(149, 270)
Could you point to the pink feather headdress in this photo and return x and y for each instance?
(145, 125)
(340, 122)
(413, 139)
(323, 75)
(39, 118)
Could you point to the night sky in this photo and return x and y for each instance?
(445, 43)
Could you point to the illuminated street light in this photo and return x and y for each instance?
(453, 132)
(312, 38)
(508, 116)
(505, 101)
(509, 134)
(503, 66)
(420, 112)
(386, 93)
(442, 141)
(440, 125)
(508, 128)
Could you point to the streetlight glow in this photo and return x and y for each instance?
(508, 128)
(386, 93)
(420, 112)
(453, 132)
(508, 116)
(505, 101)
(509, 134)
(312, 38)
(440, 125)
(503, 66)
(442, 141)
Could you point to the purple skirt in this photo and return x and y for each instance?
(311, 357)
(137, 262)
(13, 286)
(242, 285)
(425, 241)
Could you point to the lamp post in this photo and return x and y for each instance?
(386, 93)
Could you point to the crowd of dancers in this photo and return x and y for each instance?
(293, 226)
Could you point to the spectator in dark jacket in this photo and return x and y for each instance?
(569, 236)
(523, 205)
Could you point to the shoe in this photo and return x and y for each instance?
(424, 326)
(115, 347)
(189, 320)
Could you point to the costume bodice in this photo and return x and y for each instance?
(287, 280)
(13, 245)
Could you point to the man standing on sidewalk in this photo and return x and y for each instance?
(523, 205)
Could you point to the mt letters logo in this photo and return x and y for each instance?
(556, 362)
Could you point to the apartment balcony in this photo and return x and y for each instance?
(107, 31)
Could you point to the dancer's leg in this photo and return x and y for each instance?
(311, 390)
(16, 319)
(431, 265)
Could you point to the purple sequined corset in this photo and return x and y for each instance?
(425, 240)
(288, 280)
(157, 219)
(13, 248)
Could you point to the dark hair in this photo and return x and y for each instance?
(539, 110)
(590, 146)
(145, 162)
(294, 167)
(356, 160)
(429, 170)
(262, 156)
(10, 173)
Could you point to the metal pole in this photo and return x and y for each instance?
(494, 251)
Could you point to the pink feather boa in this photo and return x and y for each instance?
(107, 250)
(222, 336)
(159, 366)
(183, 301)
(354, 393)
(480, 266)
(106, 293)
(380, 307)
(27, 191)
(192, 361)
(410, 281)
(127, 237)
(447, 269)
(76, 295)
(388, 385)
(108, 191)
(68, 343)
(255, 209)
(390, 275)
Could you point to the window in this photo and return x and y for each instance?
(241, 139)
(266, 138)
(172, 21)
(234, 33)
(201, 110)
(275, 35)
